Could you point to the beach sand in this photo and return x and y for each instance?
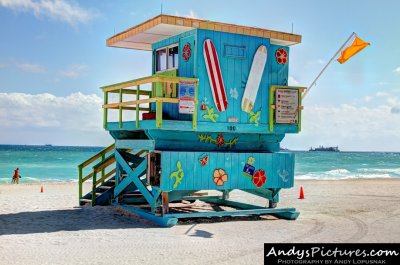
(49, 228)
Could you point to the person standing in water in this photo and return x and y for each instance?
(16, 176)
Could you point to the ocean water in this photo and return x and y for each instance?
(43, 163)
(59, 163)
(347, 165)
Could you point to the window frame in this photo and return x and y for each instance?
(167, 48)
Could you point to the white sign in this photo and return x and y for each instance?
(186, 97)
(287, 106)
(186, 106)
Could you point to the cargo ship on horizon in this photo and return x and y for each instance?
(325, 149)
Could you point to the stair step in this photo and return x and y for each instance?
(137, 204)
(97, 193)
(111, 180)
(105, 187)
(85, 200)
(131, 195)
(199, 194)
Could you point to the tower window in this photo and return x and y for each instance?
(167, 58)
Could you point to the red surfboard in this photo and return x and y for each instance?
(215, 75)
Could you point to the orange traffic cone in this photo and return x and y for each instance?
(301, 193)
(41, 189)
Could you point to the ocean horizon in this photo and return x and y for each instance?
(48, 163)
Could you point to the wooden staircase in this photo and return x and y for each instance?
(104, 194)
(105, 186)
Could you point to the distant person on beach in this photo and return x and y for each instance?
(16, 176)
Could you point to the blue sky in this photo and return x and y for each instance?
(53, 59)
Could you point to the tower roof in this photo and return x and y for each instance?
(142, 36)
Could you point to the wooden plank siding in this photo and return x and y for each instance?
(235, 72)
(197, 177)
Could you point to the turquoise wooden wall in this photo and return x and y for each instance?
(279, 169)
(184, 140)
(235, 71)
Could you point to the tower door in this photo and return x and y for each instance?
(187, 51)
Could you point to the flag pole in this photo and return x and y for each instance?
(326, 66)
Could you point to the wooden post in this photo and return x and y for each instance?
(271, 108)
(299, 112)
(105, 110)
(159, 114)
(94, 188)
(165, 203)
(137, 106)
(117, 177)
(194, 116)
(225, 194)
(120, 108)
(103, 156)
(80, 182)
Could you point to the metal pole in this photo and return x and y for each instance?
(326, 66)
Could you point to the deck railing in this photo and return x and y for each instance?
(154, 96)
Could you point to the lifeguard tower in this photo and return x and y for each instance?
(210, 118)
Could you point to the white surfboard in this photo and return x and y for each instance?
(254, 80)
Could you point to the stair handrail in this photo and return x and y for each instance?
(102, 154)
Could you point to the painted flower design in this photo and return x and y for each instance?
(234, 93)
(203, 160)
(281, 56)
(220, 140)
(259, 178)
(220, 177)
(186, 52)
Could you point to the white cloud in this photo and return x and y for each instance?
(382, 94)
(395, 109)
(318, 62)
(75, 71)
(382, 83)
(2, 65)
(292, 81)
(191, 14)
(32, 68)
(74, 112)
(65, 11)
(349, 126)
(391, 97)
(397, 70)
(368, 98)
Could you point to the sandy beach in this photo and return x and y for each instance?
(49, 228)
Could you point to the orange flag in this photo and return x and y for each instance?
(357, 45)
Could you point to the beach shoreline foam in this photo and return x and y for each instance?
(50, 228)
